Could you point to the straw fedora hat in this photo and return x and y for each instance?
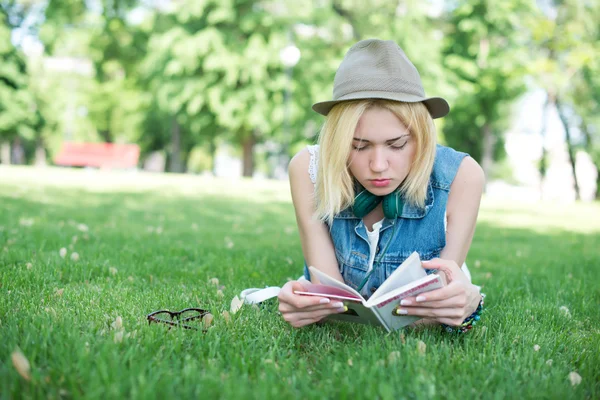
(378, 69)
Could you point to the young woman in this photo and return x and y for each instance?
(379, 141)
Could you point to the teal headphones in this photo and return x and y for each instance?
(392, 205)
(365, 202)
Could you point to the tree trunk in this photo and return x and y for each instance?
(106, 135)
(565, 123)
(175, 164)
(248, 160)
(543, 166)
(588, 148)
(5, 153)
(487, 157)
(212, 148)
(347, 15)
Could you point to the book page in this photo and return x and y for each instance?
(418, 286)
(358, 313)
(410, 270)
(327, 280)
(387, 304)
(311, 289)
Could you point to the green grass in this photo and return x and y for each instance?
(530, 259)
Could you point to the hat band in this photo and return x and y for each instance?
(379, 84)
(403, 97)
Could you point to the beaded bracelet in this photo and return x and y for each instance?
(469, 322)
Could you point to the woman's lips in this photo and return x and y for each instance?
(380, 182)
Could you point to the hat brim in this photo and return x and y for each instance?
(437, 106)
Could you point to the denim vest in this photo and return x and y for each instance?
(419, 229)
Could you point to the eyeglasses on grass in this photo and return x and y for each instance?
(177, 318)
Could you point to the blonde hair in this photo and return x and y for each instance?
(335, 185)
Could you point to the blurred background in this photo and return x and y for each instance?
(224, 87)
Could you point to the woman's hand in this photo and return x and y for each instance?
(449, 305)
(301, 310)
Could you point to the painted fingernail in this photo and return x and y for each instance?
(405, 302)
(342, 309)
(400, 311)
(339, 304)
(324, 301)
(420, 298)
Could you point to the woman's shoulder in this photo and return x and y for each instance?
(446, 165)
(304, 163)
(301, 186)
(470, 174)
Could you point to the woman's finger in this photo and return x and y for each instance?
(431, 312)
(287, 307)
(304, 322)
(287, 295)
(450, 269)
(446, 292)
(457, 301)
(304, 318)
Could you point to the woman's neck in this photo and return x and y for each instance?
(374, 216)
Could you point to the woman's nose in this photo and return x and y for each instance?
(379, 161)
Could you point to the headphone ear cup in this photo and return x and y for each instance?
(364, 203)
(392, 205)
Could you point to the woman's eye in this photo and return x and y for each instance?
(359, 148)
(398, 147)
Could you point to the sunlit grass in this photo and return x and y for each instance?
(148, 242)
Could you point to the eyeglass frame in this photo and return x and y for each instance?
(175, 314)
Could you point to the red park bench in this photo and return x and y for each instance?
(99, 155)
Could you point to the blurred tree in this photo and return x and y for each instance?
(485, 52)
(566, 40)
(214, 69)
(176, 105)
(17, 106)
(117, 47)
(586, 101)
(100, 32)
(223, 59)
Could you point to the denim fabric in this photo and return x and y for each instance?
(419, 229)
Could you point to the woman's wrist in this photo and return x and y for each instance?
(469, 322)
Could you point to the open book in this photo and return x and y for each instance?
(409, 279)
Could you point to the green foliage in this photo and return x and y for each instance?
(582, 90)
(566, 40)
(17, 108)
(486, 52)
(215, 68)
(98, 32)
(200, 160)
(196, 72)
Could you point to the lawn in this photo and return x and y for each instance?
(148, 242)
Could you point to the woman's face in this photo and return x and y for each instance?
(382, 151)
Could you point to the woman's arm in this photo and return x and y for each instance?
(459, 298)
(462, 209)
(317, 246)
